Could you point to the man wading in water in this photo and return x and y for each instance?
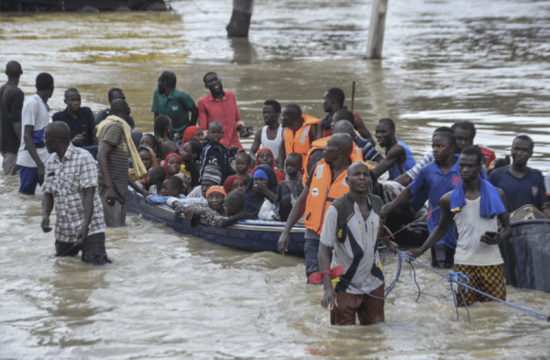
(352, 227)
(474, 205)
(71, 182)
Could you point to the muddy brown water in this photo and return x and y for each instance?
(169, 296)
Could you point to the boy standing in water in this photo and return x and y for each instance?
(474, 206)
(71, 182)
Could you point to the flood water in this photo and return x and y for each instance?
(168, 296)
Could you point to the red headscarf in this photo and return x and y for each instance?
(228, 184)
(281, 176)
(165, 165)
(188, 134)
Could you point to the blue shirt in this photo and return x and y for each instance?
(409, 163)
(520, 192)
(432, 180)
(211, 155)
(84, 123)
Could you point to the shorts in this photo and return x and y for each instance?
(93, 249)
(115, 216)
(28, 180)
(369, 310)
(489, 279)
(442, 256)
(9, 163)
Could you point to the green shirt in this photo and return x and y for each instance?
(176, 106)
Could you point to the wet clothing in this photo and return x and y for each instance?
(176, 106)
(103, 114)
(66, 180)
(9, 166)
(471, 226)
(117, 161)
(11, 107)
(520, 192)
(35, 113)
(28, 180)
(368, 309)
(84, 123)
(93, 249)
(433, 182)
(224, 111)
(489, 279)
(254, 199)
(115, 215)
(211, 155)
(400, 168)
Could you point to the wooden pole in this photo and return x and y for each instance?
(240, 18)
(352, 95)
(376, 29)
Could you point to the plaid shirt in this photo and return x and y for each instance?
(66, 179)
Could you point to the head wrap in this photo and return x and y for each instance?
(165, 165)
(212, 175)
(279, 174)
(228, 184)
(188, 134)
(217, 189)
(153, 156)
(260, 174)
(253, 199)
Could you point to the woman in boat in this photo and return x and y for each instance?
(192, 133)
(265, 156)
(234, 182)
(263, 186)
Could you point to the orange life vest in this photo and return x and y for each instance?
(322, 192)
(298, 142)
(356, 155)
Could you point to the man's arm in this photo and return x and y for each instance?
(391, 159)
(295, 214)
(320, 127)
(134, 186)
(313, 131)
(505, 231)
(88, 202)
(15, 114)
(442, 227)
(194, 114)
(256, 144)
(282, 156)
(399, 201)
(47, 207)
(104, 169)
(404, 179)
(31, 148)
(362, 129)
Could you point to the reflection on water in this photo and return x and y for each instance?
(169, 296)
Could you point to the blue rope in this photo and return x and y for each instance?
(454, 277)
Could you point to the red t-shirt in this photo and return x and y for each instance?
(224, 111)
(489, 155)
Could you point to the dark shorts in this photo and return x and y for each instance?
(93, 249)
(311, 253)
(369, 310)
(489, 279)
(29, 179)
(443, 257)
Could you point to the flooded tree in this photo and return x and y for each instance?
(240, 18)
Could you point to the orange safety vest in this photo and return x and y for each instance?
(298, 142)
(356, 155)
(322, 192)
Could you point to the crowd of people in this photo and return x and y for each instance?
(325, 173)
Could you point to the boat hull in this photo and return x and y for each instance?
(527, 255)
(246, 235)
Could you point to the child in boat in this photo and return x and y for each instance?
(265, 156)
(285, 199)
(234, 183)
(216, 153)
(243, 164)
(148, 140)
(191, 151)
(168, 147)
(192, 133)
(171, 188)
(148, 159)
(163, 128)
(154, 180)
(220, 212)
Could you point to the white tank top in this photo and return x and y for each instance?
(273, 145)
(469, 248)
